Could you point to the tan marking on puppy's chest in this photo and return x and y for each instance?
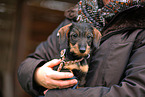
(83, 68)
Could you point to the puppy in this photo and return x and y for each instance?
(76, 43)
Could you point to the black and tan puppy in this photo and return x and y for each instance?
(76, 43)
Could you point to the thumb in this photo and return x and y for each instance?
(53, 63)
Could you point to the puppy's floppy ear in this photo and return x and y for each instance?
(63, 36)
(96, 37)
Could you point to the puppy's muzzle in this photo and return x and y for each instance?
(82, 49)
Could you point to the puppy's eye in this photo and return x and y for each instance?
(74, 35)
(89, 36)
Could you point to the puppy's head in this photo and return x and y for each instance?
(79, 37)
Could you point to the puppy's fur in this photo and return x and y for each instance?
(78, 39)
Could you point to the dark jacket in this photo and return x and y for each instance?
(116, 69)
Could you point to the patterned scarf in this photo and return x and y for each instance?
(90, 12)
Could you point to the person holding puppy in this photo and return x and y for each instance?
(116, 68)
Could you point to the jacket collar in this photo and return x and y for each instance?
(132, 18)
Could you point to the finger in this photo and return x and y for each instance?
(45, 91)
(60, 75)
(51, 87)
(53, 63)
(65, 83)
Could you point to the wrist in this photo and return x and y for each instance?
(36, 76)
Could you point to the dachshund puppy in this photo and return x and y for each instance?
(76, 42)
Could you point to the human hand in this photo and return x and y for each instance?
(50, 79)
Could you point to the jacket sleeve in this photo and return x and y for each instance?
(44, 52)
(132, 85)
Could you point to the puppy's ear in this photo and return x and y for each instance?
(96, 37)
(63, 36)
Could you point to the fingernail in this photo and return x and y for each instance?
(70, 75)
(75, 81)
(59, 59)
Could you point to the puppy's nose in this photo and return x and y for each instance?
(82, 49)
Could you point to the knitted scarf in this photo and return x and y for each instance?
(90, 12)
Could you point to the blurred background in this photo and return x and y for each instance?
(23, 25)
